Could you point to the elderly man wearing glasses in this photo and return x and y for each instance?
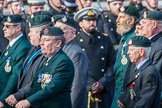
(12, 57)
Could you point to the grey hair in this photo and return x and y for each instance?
(147, 51)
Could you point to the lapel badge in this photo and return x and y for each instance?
(8, 66)
(137, 75)
(6, 53)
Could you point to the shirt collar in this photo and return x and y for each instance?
(14, 40)
(141, 63)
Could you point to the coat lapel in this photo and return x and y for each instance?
(11, 50)
(138, 72)
(67, 47)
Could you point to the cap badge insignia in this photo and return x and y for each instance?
(122, 9)
(8, 19)
(90, 13)
(64, 19)
(144, 15)
(46, 31)
(130, 42)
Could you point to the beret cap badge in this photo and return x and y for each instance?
(130, 42)
(122, 9)
(46, 31)
(64, 19)
(8, 19)
(145, 15)
(90, 13)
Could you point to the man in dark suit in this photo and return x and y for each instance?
(142, 83)
(110, 25)
(100, 52)
(13, 57)
(79, 59)
(33, 61)
(151, 25)
(51, 85)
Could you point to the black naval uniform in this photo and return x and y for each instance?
(100, 52)
(110, 28)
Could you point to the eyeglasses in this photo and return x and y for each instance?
(9, 26)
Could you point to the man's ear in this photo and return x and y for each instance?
(155, 24)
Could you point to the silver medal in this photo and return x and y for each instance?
(8, 66)
(124, 60)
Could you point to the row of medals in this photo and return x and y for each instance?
(124, 59)
(7, 66)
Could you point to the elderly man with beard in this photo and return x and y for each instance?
(151, 25)
(125, 27)
(100, 52)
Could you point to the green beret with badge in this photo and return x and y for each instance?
(109, 1)
(139, 41)
(39, 20)
(130, 10)
(65, 20)
(86, 13)
(36, 2)
(152, 15)
(52, 31)
(13, 19)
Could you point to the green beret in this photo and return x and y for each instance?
(10, 1)
(86, 13)
(152, 15)
(13, 19)
(52, 31)
(140, 41)
(70, 3)
(42, 13)
(109, 1)
(130, 10)
(65, 20)
(39, 20)
(36, 2)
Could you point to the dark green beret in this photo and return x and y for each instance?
(13, 19)
(10, 1)
(130, 10)
(70, 3)
(36, 2)
(52, 31)
(39, 20)
(65, 20)
(140, 41)
(42, 13)
(109, 1)
(152, 15)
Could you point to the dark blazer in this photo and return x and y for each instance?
(101, 55)
(53, 91)
(16, 55)
(26, 78)
(156, 51)
(80, 61)
(146, 86)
